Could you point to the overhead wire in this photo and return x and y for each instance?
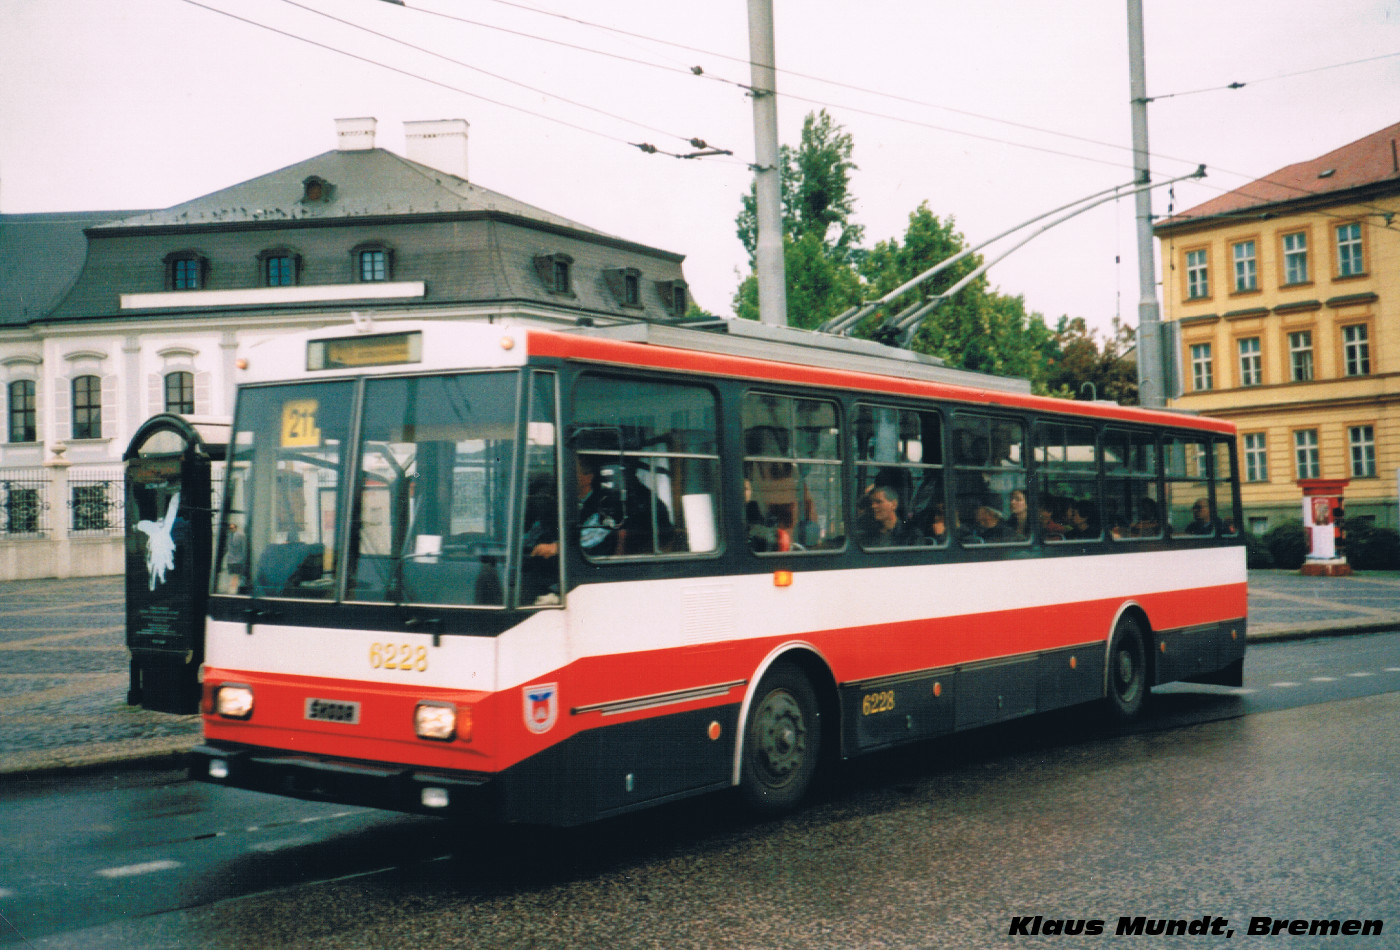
(703, 148)
(485, 72)
(932, 105)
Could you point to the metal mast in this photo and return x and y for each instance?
(768, 182)
(1149, 335)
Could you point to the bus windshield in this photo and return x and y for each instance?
(415, 509)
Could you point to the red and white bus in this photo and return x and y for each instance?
(551, 575)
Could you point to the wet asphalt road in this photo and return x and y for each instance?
(1277, 800)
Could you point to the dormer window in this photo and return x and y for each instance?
(185, 270)
(625, 284)
(373, 263)
(556, 272)
(279, 268)
(316, 190)
(673, 294)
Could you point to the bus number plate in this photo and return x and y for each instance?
(329, 710)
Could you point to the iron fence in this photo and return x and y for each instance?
(24, 502)
(97, 502)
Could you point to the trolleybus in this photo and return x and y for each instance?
(540, 575)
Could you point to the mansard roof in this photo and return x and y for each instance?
(361, 184)
(40, 256)
(1368, 164)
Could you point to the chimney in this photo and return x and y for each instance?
(438, 143)
(355, 135)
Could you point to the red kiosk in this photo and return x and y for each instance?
(1322, 522)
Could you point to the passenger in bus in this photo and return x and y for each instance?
(1203, 519)
(935, 529)
(992, 526)
(1050, 527)
(1020, 520)
(1083, 517)
(1148, 524)
(885, 526)
(599, 514)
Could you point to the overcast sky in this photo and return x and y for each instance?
(991, 111)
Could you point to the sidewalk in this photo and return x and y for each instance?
(64, 672)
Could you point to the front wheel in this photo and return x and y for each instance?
(1127, 670)
(782, 742)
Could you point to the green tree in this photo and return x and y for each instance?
(977, 328)
(1082, 366)
(818, 287)
(816, 191)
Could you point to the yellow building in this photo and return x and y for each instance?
(1286, 293)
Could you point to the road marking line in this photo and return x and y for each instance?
(1242, 691)
(131, 870)
(1360, 674)
(1392, 669)
(1286, 683)
(6, 892)
(270, 847)
(1322, 679)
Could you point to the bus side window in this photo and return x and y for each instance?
(1067, 482)
(656, 447)
(793, 483)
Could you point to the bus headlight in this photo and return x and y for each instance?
(234, 701)
(438, 721)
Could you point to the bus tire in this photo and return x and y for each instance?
(1127, 670)
(782, 742)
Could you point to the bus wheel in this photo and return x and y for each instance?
(782, 742)
(1127, 670)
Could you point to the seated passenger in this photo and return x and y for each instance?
(992, 527)
(885, 526)
(1050, 527)
(1148, 524)
(1020, 521)
(1203, 519)
(1083, 517)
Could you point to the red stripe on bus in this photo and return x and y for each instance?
(500, 738)
(624, 353)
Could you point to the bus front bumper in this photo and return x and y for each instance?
(462, 795)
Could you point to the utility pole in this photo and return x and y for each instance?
(768, 181)
(1149, 335)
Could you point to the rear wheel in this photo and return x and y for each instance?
(1127, 670)
(782, 742)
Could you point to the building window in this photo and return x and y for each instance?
(1251, 363)
(87, 407)
(1300, 356)
(1201, 378)
(179, 393)
(673, 294)
(91, 507)
(185, 270)
(1256, 457)
(1246, 267)
(373, 264)
(1197, 275)
(1356, 349)
(1295, 258)
(560, 274)
(22, 509)
(1363, 451)
(279, 269)
(1305, 455)
(625, 284)
(556, 273)
(1349, 261)
(23, 419)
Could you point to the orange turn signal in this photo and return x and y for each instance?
(782, 578)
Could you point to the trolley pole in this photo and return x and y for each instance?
(1149, 335)
(768, 182)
